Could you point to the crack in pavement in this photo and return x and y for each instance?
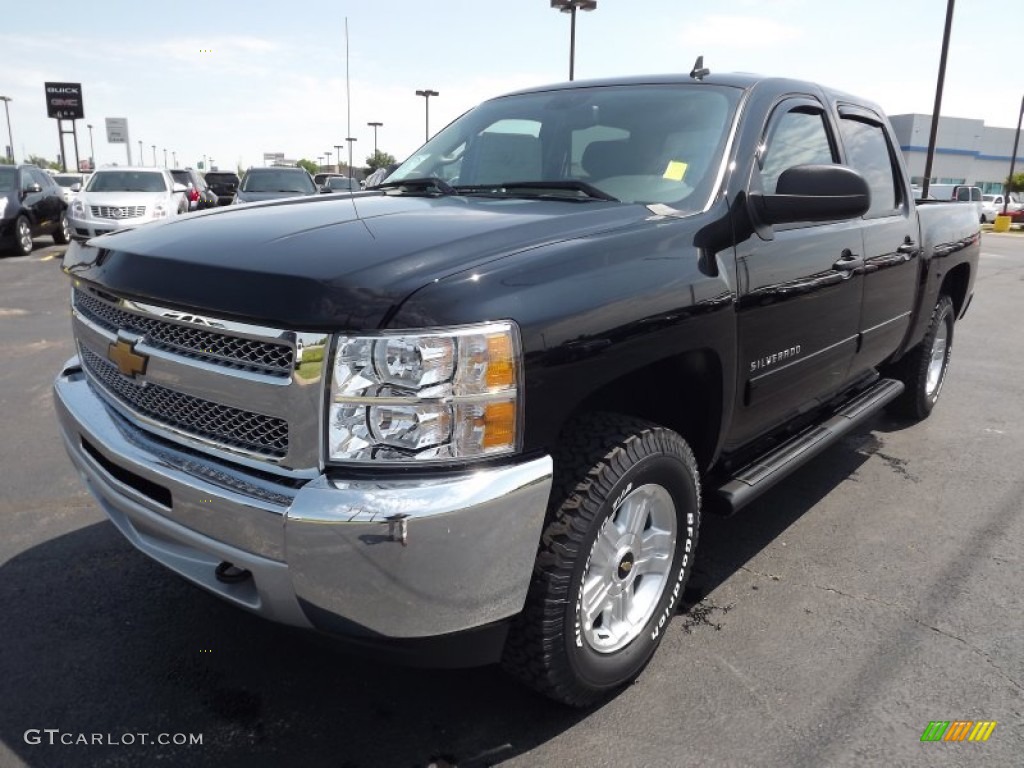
(896, 606)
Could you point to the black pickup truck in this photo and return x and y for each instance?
(475, 414)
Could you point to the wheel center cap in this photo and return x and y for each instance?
(625, 566)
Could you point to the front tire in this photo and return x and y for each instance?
(23, 236)
(62, 234)
(923, 369)
(615, 554)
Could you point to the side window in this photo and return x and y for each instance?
(40, 178)
(798, 136)
(868, 151)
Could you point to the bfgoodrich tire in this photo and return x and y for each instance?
(616, 552)
(923, 369)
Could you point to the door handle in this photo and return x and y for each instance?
(909, 247)
(849, 262)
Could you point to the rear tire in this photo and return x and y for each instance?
(618, 546)
(923, 369)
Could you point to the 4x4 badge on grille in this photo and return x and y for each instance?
(122, 353)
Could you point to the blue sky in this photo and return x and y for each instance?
(232, 80)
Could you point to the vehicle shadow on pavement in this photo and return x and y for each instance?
(728, 543)
(97, 639)
(100, 640)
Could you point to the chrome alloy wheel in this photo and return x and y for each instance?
(24, 235)
(937, 364)
(628, 568)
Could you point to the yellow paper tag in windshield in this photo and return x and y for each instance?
(675, 170)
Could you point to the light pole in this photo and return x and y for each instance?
(426, 94)
(327, 154)
(92, 149)
(570, 7)
(1013, 157)
(10, 137)
(142, 158)
(165, 157)
(154, 154)
(937, 110)
(174, 158)
(350, 140)
(375, 126)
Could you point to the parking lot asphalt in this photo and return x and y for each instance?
(875, 591)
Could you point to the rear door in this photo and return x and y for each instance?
(799, 292)
(892, 260)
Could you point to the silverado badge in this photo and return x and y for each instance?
(122, 353)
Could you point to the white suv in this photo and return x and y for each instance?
(121, 198)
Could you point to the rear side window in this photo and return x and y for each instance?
(798, 136)
(868, 152)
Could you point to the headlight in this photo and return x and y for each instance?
(78, 208)
(432, 396)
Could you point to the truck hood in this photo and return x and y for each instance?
(326, 263)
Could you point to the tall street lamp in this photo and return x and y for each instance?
(142, 158)
(10, 137)
(165, 157)
(426, 94)
(10, 150)
(327, 154)
(570, 7)
(92, 149)
(350, 141)
(375, 126)
(174, 158)
(1013, 157)
(337, 154)
(154, 154)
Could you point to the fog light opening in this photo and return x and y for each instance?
(229, 573)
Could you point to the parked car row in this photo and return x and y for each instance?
(35, 202)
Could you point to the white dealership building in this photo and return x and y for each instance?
(966, 150)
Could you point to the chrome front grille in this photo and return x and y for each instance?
(118, 211)
(231, 427)
(188, 340)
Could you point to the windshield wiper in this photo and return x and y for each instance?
(588, 191)
(421, 184)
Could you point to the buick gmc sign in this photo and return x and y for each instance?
(64, 101)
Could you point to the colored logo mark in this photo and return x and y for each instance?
(958, 730)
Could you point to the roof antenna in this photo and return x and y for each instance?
(699, 71)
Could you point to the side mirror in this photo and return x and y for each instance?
(33, 187)
(814, 193)
(76, 187)
(179, 188)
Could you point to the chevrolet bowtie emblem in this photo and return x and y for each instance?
(122, 353)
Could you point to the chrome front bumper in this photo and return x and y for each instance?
(394, 558)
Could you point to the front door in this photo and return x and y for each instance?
(799, 292)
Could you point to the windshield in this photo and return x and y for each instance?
(274, 180)
(639, 144)
(342, 182)
(7, 176)
(67, 181)
(127, 181)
